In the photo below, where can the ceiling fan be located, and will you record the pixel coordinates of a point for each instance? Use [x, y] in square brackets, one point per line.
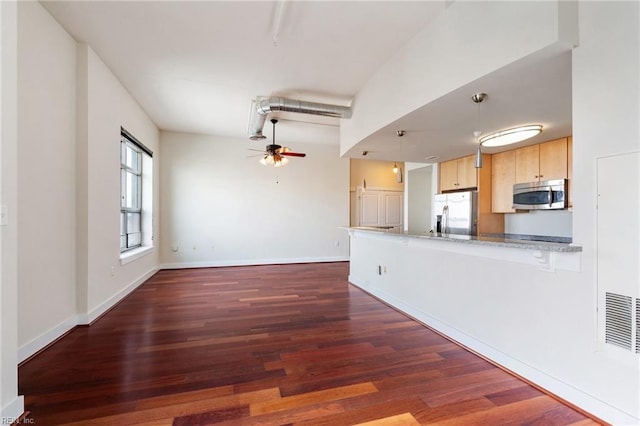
[276, 155]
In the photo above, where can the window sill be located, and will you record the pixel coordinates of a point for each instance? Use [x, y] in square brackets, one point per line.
[131, 255]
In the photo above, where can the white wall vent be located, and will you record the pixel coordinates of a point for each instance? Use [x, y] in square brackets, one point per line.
[618, 320]
[638, 326]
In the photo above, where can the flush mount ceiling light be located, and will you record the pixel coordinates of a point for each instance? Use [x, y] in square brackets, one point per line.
[509, 136]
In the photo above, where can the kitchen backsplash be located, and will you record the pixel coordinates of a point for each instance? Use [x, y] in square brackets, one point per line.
[556, 223]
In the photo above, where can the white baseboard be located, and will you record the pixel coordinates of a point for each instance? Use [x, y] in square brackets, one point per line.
[251, 262]
[89, 317]
[553, 385]
[34, 345]
[12, 411]
[46, 338]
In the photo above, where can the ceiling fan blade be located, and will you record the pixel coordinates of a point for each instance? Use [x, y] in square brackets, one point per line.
[257, 155]
[258, 150]
[293, 154]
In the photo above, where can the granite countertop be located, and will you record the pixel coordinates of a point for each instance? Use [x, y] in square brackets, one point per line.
[529, 242]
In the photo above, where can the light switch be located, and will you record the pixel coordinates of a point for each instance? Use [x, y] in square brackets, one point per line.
[4, 213]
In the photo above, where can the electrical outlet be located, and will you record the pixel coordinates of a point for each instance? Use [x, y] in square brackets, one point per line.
[4, 213]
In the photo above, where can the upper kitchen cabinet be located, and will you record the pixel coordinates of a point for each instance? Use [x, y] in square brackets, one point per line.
[458, 174]
[461, 174]
[544, 161]
[503, 177]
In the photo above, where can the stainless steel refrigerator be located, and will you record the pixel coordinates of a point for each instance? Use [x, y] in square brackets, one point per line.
[456, 213]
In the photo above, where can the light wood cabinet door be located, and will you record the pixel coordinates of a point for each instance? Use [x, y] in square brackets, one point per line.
[467, 172]
[527, 164]
[503, 176]
[448, 175]
[553, 159]
[458, 174]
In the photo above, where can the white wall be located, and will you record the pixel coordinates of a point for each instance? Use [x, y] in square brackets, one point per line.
[46, 172]
[70, 110]
[606, 66]
[542, 324]
[109, 106]
[221, 208]
[11, 405]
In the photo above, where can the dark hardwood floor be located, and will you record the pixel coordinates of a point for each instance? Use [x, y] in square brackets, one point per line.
[270, 345]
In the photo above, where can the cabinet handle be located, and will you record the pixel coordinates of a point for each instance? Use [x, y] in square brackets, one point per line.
[536, 176]
[541, 176]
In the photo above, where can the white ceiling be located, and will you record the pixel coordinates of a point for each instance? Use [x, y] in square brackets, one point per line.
[196, 66]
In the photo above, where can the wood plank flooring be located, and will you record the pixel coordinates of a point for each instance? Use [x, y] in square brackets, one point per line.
[270, 345]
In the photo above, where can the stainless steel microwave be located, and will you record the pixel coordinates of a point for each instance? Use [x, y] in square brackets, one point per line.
[543, 195]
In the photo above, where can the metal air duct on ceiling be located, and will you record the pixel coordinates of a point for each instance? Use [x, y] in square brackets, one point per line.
[262, 107]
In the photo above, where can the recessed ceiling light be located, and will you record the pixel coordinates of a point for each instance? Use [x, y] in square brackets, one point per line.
[509, 136]
[431, 158]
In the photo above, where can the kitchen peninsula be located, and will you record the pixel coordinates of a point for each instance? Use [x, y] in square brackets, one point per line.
[479, 291]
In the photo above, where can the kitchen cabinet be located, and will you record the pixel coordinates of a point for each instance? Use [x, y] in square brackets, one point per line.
[379, 208]
[458, 174]
[488, 221]
[543, 161]
[503, 177]
[370, 211]
[461, 173]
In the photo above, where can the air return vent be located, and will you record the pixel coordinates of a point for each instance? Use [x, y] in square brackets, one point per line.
[618, 320]
[638, 326]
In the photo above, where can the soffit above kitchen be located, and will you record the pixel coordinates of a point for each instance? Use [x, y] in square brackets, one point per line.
[533, 90]
[196, 66]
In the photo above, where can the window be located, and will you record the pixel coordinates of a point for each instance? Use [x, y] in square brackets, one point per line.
[135, 193]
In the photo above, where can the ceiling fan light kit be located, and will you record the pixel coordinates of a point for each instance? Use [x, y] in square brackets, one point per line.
[276, 155]
[274, 160]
